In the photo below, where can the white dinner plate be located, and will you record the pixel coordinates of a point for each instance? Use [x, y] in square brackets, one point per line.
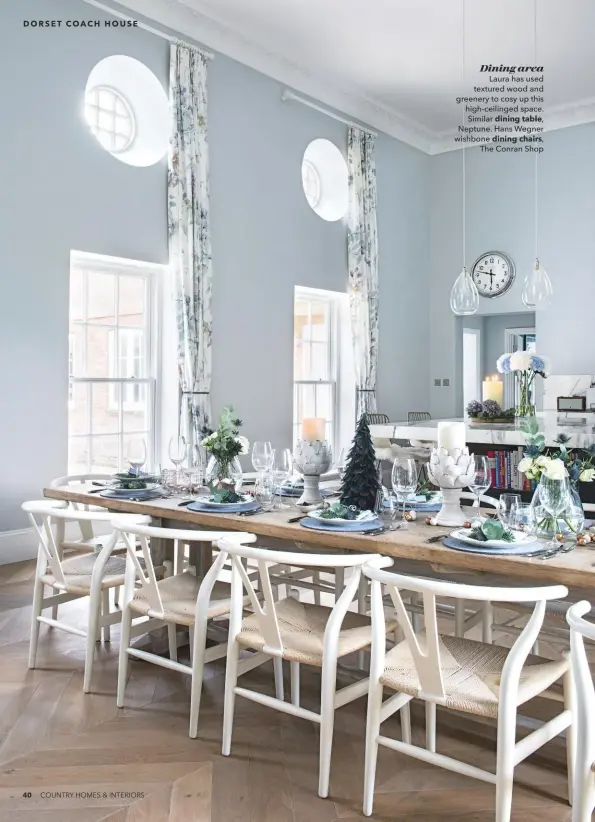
[463, 535]
[339, 520]
[206, 501]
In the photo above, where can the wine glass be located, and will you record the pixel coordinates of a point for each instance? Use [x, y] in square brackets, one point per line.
[482, 478]
[404, 481]
[554, 496]
[282, 470]
[177, 451]
[262, 456]
[136, 454]
[507, 509]
[264, 490]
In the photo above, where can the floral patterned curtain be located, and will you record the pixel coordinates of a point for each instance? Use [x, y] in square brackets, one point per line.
[189, 234]
[362, 253]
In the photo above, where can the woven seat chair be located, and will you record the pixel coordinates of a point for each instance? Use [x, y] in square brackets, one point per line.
[299, 632]
[86, 575]
[584, 715]
[181, 599]
[461, 674]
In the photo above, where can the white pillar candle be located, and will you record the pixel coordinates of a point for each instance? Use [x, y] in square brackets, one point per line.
[492, 389]
[314, 429]
[451, 435]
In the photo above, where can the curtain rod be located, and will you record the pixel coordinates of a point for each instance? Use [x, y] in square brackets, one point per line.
[207, 54]
[288, 94]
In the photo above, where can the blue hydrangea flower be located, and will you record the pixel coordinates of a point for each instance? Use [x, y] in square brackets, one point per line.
[503, 364]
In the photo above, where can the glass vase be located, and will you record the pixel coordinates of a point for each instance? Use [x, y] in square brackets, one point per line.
[525, 404]
[219, 471]
[569, 523]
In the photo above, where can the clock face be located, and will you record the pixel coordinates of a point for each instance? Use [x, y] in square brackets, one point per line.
[493, 274]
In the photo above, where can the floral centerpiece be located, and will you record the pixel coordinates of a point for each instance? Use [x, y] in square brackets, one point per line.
[525, 367]
[225, 445]
[576, 464]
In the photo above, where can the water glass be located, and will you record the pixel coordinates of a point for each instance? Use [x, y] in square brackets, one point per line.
[389, 513]
[262, 456]
[507, 508]
[264, 490]
[524, 518]
[404, 481]
[340, 464]
[168, 481]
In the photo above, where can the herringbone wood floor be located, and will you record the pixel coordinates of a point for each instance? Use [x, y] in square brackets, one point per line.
[138, 764]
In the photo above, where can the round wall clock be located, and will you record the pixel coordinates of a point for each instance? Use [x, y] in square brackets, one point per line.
[493, 274]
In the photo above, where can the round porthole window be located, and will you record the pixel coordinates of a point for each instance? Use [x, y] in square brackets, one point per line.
[110, 118]
[324, 179]
[127, 110]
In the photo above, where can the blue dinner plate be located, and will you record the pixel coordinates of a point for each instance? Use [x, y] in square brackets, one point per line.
[232, 508]
[361, 527]
[135, 496]
[509, 550]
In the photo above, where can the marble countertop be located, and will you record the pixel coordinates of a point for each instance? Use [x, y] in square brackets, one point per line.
[579, 426]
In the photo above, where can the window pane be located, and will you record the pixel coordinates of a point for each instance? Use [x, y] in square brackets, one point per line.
[105, 454]
[100, 297]
[319, 329]
[324, 402]
[136, 408]
[78, 454]
[319, 367]
[105, 417]
[78, 417]
[300, 319]
[100, 352]
[131, 308]
[306, 401]
[301, 361]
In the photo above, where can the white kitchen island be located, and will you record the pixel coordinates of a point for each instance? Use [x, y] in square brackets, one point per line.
[579, 426]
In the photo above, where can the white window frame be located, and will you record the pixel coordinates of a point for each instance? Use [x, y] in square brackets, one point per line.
[153, 275]
[330, 298]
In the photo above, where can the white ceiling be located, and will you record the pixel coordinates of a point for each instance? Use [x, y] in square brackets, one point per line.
[398, 64]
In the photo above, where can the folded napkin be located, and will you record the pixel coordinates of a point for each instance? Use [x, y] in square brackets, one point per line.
[363, 516]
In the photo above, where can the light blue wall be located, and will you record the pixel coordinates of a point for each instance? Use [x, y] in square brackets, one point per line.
[62, 191]
[500, 215]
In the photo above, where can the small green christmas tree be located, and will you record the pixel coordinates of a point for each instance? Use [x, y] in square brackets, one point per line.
[361, 484]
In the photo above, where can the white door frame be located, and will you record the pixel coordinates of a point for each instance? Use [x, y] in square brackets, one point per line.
[477, 334]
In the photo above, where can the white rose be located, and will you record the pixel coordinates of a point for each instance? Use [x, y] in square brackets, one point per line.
[525, 464]
[245, 443]
[587, 475]
[556, 470]
[520, 361]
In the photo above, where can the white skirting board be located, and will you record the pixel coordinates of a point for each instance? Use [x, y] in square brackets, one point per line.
[17, 546]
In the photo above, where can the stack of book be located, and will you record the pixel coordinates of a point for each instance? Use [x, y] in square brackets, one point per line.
[505, 470]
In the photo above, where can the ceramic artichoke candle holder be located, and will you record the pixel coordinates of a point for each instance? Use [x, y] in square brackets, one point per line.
[312, 459]
[451, 471]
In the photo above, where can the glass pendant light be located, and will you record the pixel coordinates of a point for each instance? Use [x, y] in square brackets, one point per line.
[464, 297]
[537, 289]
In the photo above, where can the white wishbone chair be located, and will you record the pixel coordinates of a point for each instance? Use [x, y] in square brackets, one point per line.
[584, 717]
[461, 674]
[299, 632]
[181, 599]
[87, 541]
[86, 575]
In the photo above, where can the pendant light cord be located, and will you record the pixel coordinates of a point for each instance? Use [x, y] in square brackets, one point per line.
[536, 187]
[464, 153]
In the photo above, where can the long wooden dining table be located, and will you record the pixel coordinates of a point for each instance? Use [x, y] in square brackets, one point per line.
[575, 568]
